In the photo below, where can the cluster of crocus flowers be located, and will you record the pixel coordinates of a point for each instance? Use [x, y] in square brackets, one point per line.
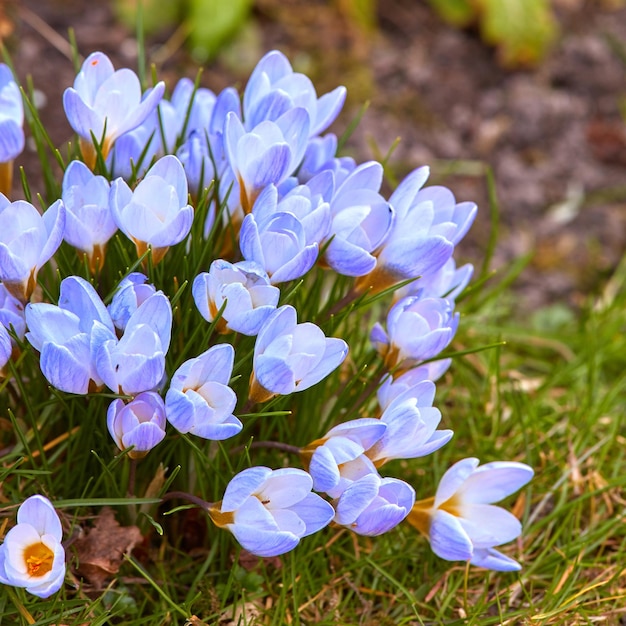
[270, 184]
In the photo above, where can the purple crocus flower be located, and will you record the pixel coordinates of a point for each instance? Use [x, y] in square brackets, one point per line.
[243, 289]
[276, 240]
[461, 522]
[269, 511]
[156, 213]
[11, 122]
[68, 336]
[265, 154]
[32, 555]
[291, 357]
[136, 362]
[373, 505]
[274, 88]
[361, 218]
[106, 104]
[27, 241]
[428, 223]
[89, 223]
[12, 313]
[140, 424]
[199, 400]
[131, 293]
[417, 329]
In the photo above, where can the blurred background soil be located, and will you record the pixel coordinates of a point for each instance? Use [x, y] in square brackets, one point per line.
[554, 135]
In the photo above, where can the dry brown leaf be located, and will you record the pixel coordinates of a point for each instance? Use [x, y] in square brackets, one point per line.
[101, 550]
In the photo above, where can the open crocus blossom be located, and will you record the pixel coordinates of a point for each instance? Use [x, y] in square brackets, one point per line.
[417, 329]
[156, 213]
[11, 121]
[105, 104]
[140, 423]
[243, 290]
[199, 400]
[461, 522]
[291, 357]
[27, 241]
[32, 555]
[269, 511]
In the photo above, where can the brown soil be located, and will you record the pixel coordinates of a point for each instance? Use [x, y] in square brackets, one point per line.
[554, 135]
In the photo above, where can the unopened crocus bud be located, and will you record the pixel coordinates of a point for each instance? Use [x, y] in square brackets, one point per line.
[140, 424]
[155, 214]
[32, 555]
[11, 122]
[27, 241]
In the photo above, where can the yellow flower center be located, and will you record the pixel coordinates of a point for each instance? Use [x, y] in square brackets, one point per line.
[38, 558]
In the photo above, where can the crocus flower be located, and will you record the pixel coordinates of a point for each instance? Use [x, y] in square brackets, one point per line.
[361, 218]
[32, 555]
[12, 313]
[276, 240]
[27, 241]
[417, 329]
[89, 223]
[243, 289]
[6, 348]
[69, 335]
[274, 88]
[427, 224]
[136, 362]
[267, 153]
[131, 293]
[373, 505]
[156, 213]
[339, 458]
[106, 104]
[291, 357]
[269, 511]
[409, 384]
[461, 522]
[199, 400]
[11, 121]
[411, 428]
[140, 423]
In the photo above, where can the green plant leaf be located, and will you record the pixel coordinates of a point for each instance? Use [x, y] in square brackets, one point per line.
[213, 22]
[457, 12]
[521, 29]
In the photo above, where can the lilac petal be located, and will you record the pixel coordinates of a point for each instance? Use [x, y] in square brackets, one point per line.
[242, 486]
[144, 437]
[82, 118]
[349, 259]
[356, 498]
[11, 140]
[323, 468]
[274, 374]
[494, 481]
[264, 543]
[40, 514]
[405, 193]
[454, 478]
[54, 222]
[328, 107]
[272, 166]
[335, 352]
[298, 266]
[490, 558]
[67, 367]
[489, 525]
[315, 512]
[448, 539]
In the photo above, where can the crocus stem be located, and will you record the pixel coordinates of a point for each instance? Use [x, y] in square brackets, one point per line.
[6, 178]
[183, 495]
[132, 471]
[275, 445]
